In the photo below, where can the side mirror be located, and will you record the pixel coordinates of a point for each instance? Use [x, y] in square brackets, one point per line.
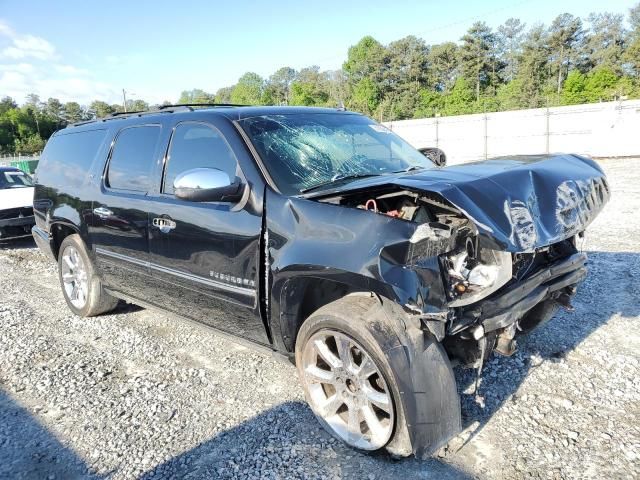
[436, 155]
[207, 185]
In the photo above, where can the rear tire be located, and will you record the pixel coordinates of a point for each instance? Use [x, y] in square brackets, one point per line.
[81, 286]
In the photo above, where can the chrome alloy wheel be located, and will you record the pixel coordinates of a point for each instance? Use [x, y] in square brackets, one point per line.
[74, 277]
[347, 390]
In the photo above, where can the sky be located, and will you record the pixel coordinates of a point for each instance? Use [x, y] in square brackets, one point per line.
[83, 50]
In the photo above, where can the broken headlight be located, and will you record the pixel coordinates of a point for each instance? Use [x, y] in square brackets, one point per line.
[472, 277]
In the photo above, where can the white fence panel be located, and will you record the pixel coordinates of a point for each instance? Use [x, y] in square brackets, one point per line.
[465, 137]
[610, 129]
[517, 131]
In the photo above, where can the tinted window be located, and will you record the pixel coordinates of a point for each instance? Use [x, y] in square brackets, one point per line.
[196, 145]
[132, 157]
[67, 157]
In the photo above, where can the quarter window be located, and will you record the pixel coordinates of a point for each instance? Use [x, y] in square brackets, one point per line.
[67, 157]
[132, 157]
[195, 145]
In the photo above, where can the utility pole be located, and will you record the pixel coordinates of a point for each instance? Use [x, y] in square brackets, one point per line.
[35, 115]
[124, 100]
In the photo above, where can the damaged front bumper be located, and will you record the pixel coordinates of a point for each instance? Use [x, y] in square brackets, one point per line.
[509, 306]
[492, 323]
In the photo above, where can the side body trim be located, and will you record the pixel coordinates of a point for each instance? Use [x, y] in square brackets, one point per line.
[187, 276]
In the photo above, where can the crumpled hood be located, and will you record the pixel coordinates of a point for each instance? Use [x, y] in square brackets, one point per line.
[517, 203]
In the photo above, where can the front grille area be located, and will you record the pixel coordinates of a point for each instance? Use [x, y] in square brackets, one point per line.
[526, 264]
[16, 213]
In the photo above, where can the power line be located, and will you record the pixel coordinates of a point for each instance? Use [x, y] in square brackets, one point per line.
[446, 26]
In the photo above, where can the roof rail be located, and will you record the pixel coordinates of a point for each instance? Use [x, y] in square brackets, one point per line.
[115, 114]
[111, 116]
[119, 115]
[191, 105]
[159, 109]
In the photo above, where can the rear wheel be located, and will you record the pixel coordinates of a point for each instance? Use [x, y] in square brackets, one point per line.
[81, 286]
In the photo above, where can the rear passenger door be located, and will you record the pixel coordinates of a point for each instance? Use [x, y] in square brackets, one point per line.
[119, 227]
[205, 265]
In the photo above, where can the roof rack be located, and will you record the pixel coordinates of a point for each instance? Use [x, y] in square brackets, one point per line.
[191, 105]
[160, 109]
[115, 114]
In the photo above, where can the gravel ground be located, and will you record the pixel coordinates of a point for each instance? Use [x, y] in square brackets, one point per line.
[138, 394]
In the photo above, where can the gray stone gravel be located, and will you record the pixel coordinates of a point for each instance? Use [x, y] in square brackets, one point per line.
[139, 394]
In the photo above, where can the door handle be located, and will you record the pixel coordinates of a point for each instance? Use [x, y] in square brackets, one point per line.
[102, 212]
[165, 225]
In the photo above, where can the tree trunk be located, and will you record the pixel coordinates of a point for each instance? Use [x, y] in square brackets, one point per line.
[35, 116]
[560, 70]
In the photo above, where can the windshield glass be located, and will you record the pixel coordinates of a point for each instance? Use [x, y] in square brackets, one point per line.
[303, 151]
[14, 179]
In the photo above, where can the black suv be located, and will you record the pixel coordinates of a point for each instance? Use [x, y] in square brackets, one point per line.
[321, 235]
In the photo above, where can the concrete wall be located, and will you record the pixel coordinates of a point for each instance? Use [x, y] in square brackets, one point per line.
[610, 129]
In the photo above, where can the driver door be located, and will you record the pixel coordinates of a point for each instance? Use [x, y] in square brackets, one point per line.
[204, 255]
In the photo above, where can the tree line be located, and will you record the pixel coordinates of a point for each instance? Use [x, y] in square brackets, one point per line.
[571, 61]
[25, 129]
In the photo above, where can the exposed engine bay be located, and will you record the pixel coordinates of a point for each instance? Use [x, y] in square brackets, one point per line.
[470, 272]
[404, 204]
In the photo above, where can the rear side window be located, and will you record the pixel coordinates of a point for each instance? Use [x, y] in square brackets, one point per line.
[196, 145]
[67, 157]
[132, 157]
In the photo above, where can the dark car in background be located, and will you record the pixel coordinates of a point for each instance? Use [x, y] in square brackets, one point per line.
[16, 204]
[320, 235]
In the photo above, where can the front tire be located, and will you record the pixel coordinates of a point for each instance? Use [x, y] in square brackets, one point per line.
[356, 319]
[81, 286]
[345, 386]
[412, 388]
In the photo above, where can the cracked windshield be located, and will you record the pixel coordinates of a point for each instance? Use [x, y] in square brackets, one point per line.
[305, 152]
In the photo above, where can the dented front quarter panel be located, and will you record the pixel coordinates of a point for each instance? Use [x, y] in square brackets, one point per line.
[362, 249]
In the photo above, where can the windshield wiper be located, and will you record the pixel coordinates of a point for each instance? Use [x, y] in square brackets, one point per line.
[410, 169]
[339, 178]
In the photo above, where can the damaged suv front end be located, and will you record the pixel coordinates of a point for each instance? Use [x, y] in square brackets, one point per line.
[469, 255]
[506, 243]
